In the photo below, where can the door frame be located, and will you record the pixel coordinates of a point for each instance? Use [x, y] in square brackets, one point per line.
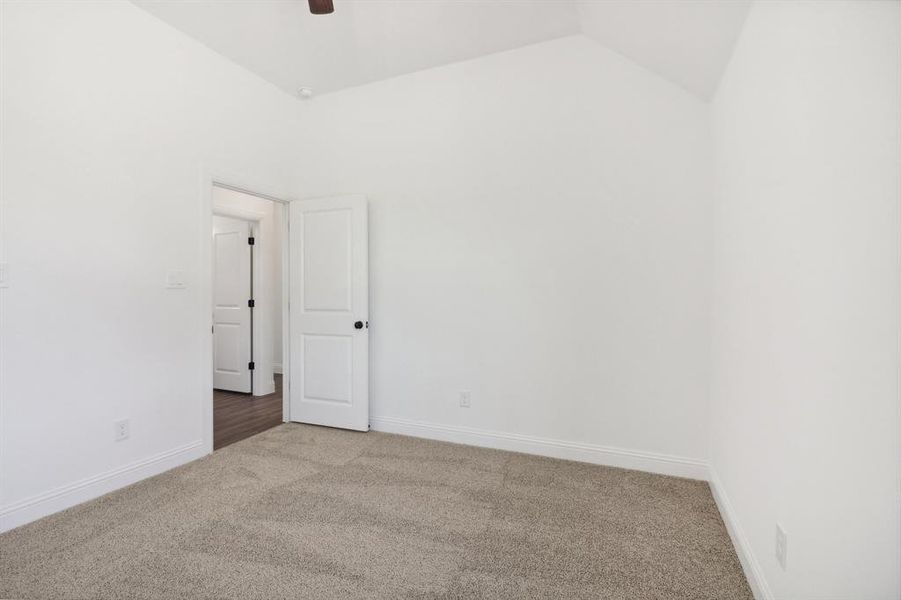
[211, 178]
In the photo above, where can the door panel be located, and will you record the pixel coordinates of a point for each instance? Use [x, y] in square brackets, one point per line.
[231, 314]
[227, 340]
[327, 264]
[328, 366]
[330, 280]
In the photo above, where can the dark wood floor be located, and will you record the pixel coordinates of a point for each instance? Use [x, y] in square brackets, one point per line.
[238, 416]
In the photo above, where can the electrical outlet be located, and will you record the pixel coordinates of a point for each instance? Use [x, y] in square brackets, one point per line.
[121, 430]
[781, 546]
[465, 398]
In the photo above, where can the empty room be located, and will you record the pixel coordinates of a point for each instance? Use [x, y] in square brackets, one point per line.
[450, 299]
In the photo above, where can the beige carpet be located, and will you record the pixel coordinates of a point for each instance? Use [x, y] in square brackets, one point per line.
[308, 512]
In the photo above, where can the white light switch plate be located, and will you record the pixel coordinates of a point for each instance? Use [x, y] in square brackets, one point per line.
[175, 280]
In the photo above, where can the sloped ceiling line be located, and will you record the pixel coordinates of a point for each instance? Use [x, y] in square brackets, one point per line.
[687, 42]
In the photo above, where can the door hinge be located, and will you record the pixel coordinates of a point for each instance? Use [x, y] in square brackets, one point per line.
[250, 365]
[251, 303]
[251, 240]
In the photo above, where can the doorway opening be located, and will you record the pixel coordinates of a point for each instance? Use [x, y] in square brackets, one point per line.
[248, 252]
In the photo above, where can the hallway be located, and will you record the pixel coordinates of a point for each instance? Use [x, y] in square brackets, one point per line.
[239, 416]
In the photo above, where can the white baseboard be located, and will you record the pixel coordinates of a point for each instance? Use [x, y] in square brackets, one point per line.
[277, 368]
[752, 569]
[600, 455]
[67, 496]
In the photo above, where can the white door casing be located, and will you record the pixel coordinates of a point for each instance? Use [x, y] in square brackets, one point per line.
[329, 312]
[231, 313]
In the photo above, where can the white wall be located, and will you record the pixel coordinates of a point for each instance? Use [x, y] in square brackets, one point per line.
[109, 117]
[805, 394]
[539, 235]
[265, 215]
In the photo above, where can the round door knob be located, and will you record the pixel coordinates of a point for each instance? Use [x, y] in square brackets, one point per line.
[358, 325]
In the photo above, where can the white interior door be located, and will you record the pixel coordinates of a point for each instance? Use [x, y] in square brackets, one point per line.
[329, 312]
[232, 333]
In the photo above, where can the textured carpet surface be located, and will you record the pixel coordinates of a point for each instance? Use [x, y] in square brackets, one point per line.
[310, 512]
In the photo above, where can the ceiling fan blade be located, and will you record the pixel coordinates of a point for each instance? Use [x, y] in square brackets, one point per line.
[321, 7]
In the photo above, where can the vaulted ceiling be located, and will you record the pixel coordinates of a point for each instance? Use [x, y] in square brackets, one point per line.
[686, 41]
